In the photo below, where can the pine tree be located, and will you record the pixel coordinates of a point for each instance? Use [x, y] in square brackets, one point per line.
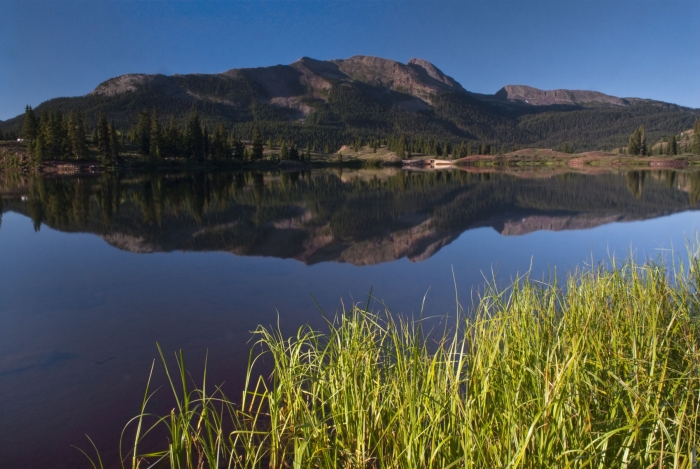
[155, 132]
[205, 143]
[294, 153]
[696, 137]
[219, 147]
[195, 138]
[172, 141]
[143, 132]
[672, 148]
[257, 152]
[462, 152]
[54, 132]
[76, 134]
[30, 126]
[634, 147]
[238, 148]
[115, 143]
[103, 137]
[284, 152]
[39, 151]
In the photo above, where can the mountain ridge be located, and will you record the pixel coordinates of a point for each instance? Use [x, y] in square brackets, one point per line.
[334, 102]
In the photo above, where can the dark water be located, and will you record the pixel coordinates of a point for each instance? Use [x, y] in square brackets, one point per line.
[94, 270]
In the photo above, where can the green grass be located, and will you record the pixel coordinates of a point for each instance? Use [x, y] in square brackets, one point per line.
[602, 371]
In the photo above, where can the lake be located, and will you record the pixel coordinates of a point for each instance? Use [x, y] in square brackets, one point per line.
[96, 269]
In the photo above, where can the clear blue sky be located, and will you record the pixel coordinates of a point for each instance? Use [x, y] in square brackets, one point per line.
[640, 48]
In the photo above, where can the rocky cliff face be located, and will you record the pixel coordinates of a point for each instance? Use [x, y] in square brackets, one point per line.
[285, 85]
[536, 97]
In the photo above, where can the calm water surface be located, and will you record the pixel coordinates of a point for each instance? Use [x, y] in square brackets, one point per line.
[94, 270]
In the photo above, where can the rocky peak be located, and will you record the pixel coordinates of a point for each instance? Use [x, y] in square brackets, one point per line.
[121, 84]
[433, 72]
[418, 78]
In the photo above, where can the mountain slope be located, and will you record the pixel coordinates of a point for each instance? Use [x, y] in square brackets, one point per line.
[331, 103]
[538, 97]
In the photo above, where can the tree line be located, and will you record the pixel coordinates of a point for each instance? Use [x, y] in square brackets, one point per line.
[55, 136]
[670, 146]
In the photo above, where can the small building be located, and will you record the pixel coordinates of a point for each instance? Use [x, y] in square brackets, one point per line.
[434, 162]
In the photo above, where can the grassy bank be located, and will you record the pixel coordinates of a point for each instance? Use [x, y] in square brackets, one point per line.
[602, 371]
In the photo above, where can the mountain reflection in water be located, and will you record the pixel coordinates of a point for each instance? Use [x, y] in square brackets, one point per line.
[80, 319]
[361, 217]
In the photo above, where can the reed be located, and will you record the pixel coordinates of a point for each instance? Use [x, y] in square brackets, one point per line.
[600, 371]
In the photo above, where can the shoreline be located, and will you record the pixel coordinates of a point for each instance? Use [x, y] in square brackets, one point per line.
[14, 158]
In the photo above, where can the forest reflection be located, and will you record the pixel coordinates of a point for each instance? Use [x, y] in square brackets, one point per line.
[361, 216]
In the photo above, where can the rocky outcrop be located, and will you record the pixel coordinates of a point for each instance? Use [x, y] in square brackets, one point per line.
[536, 97]
[132, 82]
[286, 85]
[418, 78]
[534, 223]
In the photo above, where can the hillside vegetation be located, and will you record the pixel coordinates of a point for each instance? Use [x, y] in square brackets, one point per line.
[327, 104]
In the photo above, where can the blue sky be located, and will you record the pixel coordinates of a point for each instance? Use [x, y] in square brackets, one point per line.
[638, 48]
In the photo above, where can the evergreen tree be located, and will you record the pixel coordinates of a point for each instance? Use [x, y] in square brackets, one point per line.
[53, 130]
[284, 152]
[143, 132]
[358, 144]
[155, 137]
[76, 134]
[672, 148]
[39, 151]
[237, 147]
[401, 147]
[114, 143]
[103, 137]
[637, 142]
[30, 126]
[195, 138]
[205, 141]
[257, 151]
[696, 137]
[219, 147]
[293, 153]
[172, 141]
[461, 152]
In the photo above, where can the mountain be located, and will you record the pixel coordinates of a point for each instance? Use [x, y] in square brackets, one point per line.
[333, 102]
[357, 217]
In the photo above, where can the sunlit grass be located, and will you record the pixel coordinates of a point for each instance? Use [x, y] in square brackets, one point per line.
[602, 371]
